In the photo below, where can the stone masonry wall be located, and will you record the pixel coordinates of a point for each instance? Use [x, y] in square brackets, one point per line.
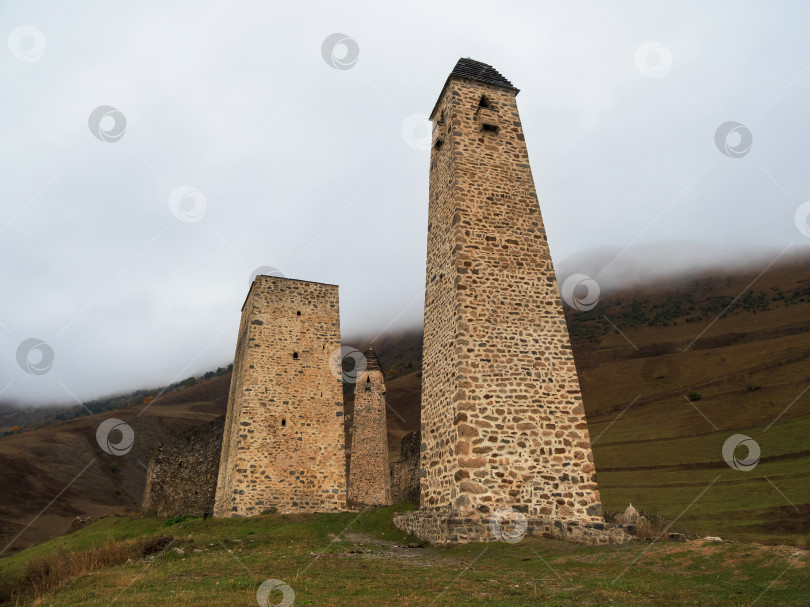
[405, 472]
[283, 445]
[182, 477]
[450, 530]
[369, 482]
[503, 423]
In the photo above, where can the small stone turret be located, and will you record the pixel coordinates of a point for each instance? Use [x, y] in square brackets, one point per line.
[369, 480]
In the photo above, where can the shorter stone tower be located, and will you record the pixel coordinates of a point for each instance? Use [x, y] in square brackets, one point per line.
[283, 445]
[369, 480]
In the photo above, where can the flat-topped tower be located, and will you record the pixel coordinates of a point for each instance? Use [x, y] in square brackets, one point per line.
[503, 425]
[283, 445]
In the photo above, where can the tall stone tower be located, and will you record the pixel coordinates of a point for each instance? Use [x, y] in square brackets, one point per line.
[503, 426]
[283, 445]
[369, 476]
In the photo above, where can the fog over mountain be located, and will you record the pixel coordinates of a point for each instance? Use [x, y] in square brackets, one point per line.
[157, 154]
[614, 268]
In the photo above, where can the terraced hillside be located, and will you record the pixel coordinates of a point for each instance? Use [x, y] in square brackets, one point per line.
[667, 379]
[669, 372]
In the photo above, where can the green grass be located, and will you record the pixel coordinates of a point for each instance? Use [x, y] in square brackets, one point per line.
[224, 561]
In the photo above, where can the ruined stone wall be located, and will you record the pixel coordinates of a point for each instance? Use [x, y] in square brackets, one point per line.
[405, 472]
[182, 477]
[502, 418]
[283, 446]
[369, 481]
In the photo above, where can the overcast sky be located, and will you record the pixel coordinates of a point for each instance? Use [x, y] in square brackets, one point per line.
[234, 135]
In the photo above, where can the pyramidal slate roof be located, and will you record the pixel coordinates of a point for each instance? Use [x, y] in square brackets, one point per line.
[372, 364]
[475, 70]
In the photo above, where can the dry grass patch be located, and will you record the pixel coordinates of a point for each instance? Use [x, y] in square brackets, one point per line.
[45, 574]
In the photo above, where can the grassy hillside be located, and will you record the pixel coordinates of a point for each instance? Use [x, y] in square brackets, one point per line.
[664, 395]
[41, 463]
[660, 403]
[667, 377]
[343, 559]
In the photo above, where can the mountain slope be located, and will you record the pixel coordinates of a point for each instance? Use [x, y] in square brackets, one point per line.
[64, 464]
[662, 396]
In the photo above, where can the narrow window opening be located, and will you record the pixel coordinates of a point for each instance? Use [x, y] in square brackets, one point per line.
[484, 102]
[295, 355]
[492, 128]
[438, 132]
[298, 313]
[283, 422]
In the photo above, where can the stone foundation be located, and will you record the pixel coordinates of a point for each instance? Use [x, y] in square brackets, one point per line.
[448, 529]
